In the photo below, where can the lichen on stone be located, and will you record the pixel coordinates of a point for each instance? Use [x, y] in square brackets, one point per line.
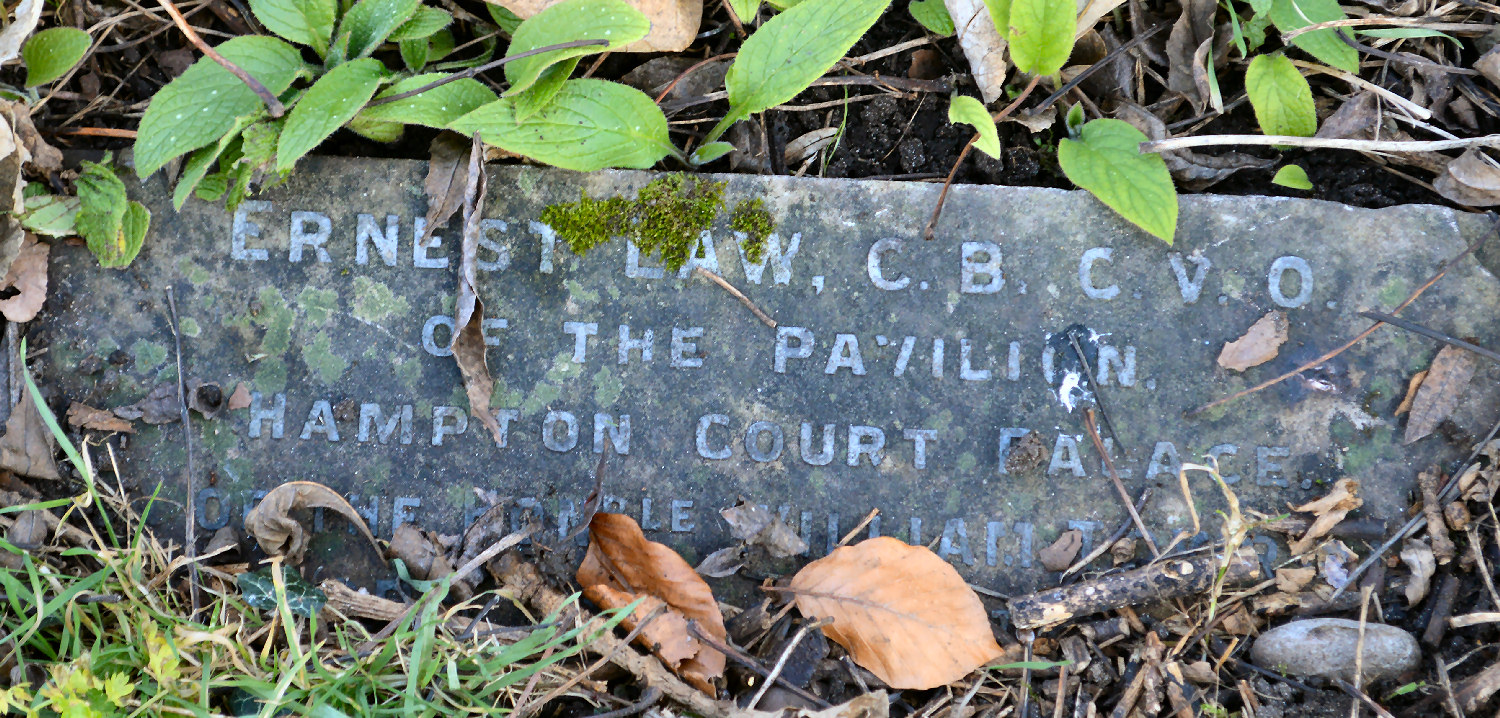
[751, 219]
[664, 220]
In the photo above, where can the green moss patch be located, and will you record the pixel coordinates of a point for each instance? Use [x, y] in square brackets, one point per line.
[751, 219]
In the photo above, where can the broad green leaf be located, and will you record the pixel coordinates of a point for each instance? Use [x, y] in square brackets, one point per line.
[259, 591]
[1041, 34]
[333, 100]
[1323, 44]
[534, 98]
[1107, 161]
[1281, 97]
[306, 22]
[969, 111]
[253, 159]
[570, 20]
[370, 22]
[133, 229]
[1292, 176]
[1260, 7]
[1074, 120]
[590, 125]
[414, 53]
[747, 10]
[1255, 31]
[710, 152]
[792, 50]
[111, 225]
[933, 15]
[507, 20]
[197, 166]
[999, 14]
[50, 53]
[422, 25]
[202, 104]
[436, 107]
[377, 130]
[51, 215]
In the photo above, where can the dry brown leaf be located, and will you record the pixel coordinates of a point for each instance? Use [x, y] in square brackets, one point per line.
[875, 704]
[271, 524]
[1293, 580]
[1027, 454]
[902, 613]
[424, 557]
[97, 419]
[674, 23]
[1446, 381]
[722, 563]
[447, 177]
[1259, 344]
[1356, 119]
[28, 276]
[1059, 556]
[1328, 511]
[1418, 557]
[161, 406]
[621, 565]
[1473, 179]
[1194, 27]
[240, 399]
[467, 344]
[1193, 170]
[984, 47]
[26, 448]
[757, 525]
[1411, 392]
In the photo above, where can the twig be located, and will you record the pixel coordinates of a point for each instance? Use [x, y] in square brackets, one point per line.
[1432, 334]
[1161, 581]
[1116, 536]
[471, 72]
[748, 661]
[1091, 69]
[1359, 646]
[273, 105]
[737, 294]
[1473, 619]
[786, 653]
[1395, 21]
[1359, 697]
[530, 709]
[649, 698]
[1404, 58]
[94, 132]
[1114, 477]
[1318, 143]
[191, 531]
[1088, 373]
[1028, 639]
[851, 62]
[858, 527]
[937, 211]
[1341, 349]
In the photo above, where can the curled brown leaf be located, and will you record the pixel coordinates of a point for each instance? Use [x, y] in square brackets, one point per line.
[271, 524]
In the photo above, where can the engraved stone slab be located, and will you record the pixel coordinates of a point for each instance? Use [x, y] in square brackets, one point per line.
[901, 375]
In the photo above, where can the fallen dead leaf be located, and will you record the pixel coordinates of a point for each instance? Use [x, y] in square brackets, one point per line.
[1356, 119]
[1439, 393]
[447, 177]
[875, 704]
[468, 344]
[240, 399]
[1259, 344]
[757, 525]
[1028, 453]
[45, 158]
[1430, 483]
[1196, 171]
[984, 47]
[1411, 392]
[1417, 556]
[424, 557]
[28, 12]
[1122, 551]
[1328, 512]
[1473, 179]
[674, 23]
[722, 563]
[271, 524]
[902, 613]
[26, 448]
[1194, 27]
[205, 397]
[88, 417]
[161, 406]
[1059, 556]
[28, 276]
[621, 565]
[1292, 580]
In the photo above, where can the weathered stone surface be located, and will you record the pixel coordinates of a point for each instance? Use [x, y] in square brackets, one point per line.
[916, 347]
[1326, 648]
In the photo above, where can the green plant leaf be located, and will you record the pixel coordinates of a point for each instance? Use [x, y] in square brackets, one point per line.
[590, 125]
[933, 15]
[1281, 97]
[1323, 44]
[51, 215]
[791, 50]
[507, 20]
[50, 53]
[414, 53]
[437, 107]
[377, 130]
[197, 166]
[259, 591]
[1255, 31]
[370, 22]
[112, 226]
[257, 150]
[1407, 33]
[333, 100]
[422, 25]
[1074, 119]
[133, 227]
[305, 22]
[969, 111]
[1292, 176]
[747, 10]
[1107, 161]
[611, 20]
[999, 14]
[202, 104]
[710, 152]
[531, 100]
[1041, 34]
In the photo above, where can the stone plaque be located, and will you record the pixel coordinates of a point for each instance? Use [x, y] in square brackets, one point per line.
[901, 375]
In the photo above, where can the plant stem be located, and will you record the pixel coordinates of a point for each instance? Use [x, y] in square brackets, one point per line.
[937, 211]
[482, 68]
[273, 105]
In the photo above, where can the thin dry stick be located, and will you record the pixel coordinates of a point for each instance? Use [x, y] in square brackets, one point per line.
[716, 279]
[786, 653]
[1433, 334]
[749, 661]
[1087, 71]
[931, 231]
[482, 68]
[858, 527]
[1109, 543]
[1318, 143]
[1346, 345]
[273, 105]
[1423, 23]
[531, 708]
[1359, 646]
[1114, 476]
[957, 711]
[191, 530]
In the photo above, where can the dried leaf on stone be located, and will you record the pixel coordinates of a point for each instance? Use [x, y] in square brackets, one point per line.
[87, 417]
[240, 399]
[26, 448]
[205, 397]
[161, 406]
[1418, 557]
[1059, 556]
[722, 563]
[1328, 511]
[757, 525]
[1411, 392]
[1193, 28]
[1259, 344]
[447, 178]
[424, 557]
[1447, 379]
[28, 277]
[622, 566]
[1472, 179]
[273, 527]
[674, 23]
[467, 344]
[1293, 580]
[875, 704]
[902, 613]
[983, 46]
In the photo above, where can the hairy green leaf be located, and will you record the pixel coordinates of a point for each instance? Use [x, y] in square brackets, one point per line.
[51, 215]
[111, 225]
[202, 104]
[969, 111]
[1292, 176]
[792, 50]
[531, 100]
[507, 20]
[371, 22]
[251, 162]
[1041, 34]
[933, 15]
[1281, 97]
[1407, 33]
[746, 10]
[1323, 44]
[378, 130]
[305, 22]
[999, 14]
[610, 20]
[1107, 161]
[436, 107]
[197, 166]
[414, 53]
[710, 152]
[50, 53]
[590, 125]
[422, 25]
[333, 100]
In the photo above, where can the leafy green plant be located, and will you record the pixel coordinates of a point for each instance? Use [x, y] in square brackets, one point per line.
[1281, 97]
[933, 15]
[970, 111]
[1324, 44]
[1106, 160]
[113, 225]
[1292, 176]
[50, 53]
[1040, 34]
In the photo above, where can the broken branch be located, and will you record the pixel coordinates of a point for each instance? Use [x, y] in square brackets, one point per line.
[273, 105]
